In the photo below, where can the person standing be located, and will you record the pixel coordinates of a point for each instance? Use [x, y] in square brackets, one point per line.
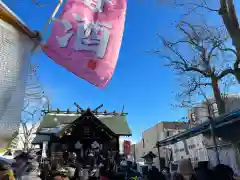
[154, 174]
[223, 172]
[203, 172]
[185, 168]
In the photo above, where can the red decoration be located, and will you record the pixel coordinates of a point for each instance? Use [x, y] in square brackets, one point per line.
[92, 64]
[127, 147]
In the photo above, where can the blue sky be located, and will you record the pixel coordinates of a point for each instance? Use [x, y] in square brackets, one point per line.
[140, 82]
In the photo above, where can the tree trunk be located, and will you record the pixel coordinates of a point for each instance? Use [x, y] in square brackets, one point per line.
[237, 74]
[236, 66]
[230, 20]
[217, 95]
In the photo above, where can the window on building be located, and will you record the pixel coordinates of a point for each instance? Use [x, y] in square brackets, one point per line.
[176, 150]
[181, 150]
[167, 133]
[192, 146]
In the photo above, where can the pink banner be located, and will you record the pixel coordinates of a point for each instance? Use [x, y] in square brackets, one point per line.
[86, 39]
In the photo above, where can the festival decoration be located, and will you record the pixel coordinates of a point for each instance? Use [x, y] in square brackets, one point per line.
[17, 43]
[127, 147]
[86, 38]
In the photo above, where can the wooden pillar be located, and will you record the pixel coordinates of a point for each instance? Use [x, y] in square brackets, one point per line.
[117, 144]
[159, 156]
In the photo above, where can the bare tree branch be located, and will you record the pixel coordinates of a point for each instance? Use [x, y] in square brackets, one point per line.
[225, 73]
[31, 111]
[203, 66]
[227, 12]
[39, 4]
[203, 6]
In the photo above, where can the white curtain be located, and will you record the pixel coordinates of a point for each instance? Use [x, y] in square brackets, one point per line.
[227, 156]
[15, 51]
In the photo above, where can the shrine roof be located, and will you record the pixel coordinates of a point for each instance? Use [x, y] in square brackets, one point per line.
[40, 139]
[52, 123]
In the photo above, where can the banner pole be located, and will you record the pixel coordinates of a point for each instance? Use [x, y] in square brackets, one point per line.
[52, 17]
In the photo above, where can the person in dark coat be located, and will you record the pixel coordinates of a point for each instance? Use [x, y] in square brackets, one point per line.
[203, 172]
[155, 174]
[177, 176]
[223, 172]
[166, 173]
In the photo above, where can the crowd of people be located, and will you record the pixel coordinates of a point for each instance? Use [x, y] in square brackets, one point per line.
[185, 171]
[27, 167]
[128, 170]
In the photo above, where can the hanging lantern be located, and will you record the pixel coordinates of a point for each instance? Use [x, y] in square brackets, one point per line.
[17, 43]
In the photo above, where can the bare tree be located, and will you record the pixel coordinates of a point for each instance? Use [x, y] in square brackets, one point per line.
[32, 110]
[26, 134]
[227, 12]
[198, 58]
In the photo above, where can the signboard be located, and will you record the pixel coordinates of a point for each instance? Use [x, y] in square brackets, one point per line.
[86, 39]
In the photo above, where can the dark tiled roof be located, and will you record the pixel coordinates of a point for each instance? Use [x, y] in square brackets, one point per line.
[53, 121]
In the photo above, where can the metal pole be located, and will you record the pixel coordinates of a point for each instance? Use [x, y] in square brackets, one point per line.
[212, 128]
[214, 139]
[159, 157]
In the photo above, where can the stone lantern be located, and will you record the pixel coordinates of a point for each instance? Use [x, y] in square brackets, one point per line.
[148, 158]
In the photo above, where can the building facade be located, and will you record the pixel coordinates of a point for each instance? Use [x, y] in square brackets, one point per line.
[150, 136]
[227, 151]
[200, 112]
[191, 148]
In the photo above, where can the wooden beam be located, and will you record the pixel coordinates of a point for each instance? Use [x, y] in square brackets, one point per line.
[79, 107]
[97, 108]
[80, 110]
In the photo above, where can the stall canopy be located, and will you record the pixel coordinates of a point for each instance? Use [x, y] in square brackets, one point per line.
[202, 128]
[53, 123]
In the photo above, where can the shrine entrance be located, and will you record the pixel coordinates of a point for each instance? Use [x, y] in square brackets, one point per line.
[86, 135]
[91, 137]
[86, 130]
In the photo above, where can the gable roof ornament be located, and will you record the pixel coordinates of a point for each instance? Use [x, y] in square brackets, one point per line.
[116, 122]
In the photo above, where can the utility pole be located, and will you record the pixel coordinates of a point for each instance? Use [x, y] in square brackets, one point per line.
[212, 128]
